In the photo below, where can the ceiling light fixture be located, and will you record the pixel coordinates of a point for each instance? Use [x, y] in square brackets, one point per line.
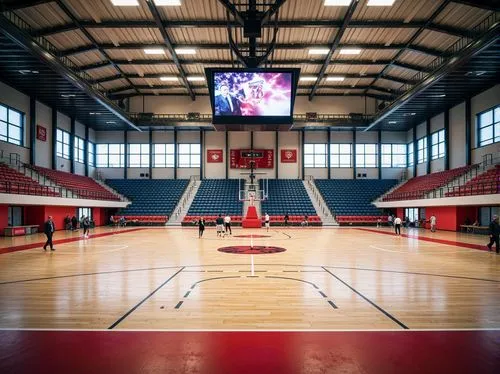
[350, 51]
[318, 51]
[169, 79]
[337, 2]
[380, 2]
[308, 79]
[185, 51]
[154, 51]
[335, 79]
[392, 122]
[125, 2]
[196, 78]
[111, 122]
[68, 95]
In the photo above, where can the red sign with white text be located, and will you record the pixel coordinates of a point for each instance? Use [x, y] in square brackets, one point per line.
[240, 158]
[288, 156]
[41, 133]
[214, 156]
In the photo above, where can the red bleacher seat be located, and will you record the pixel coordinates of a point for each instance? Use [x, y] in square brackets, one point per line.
[12, 181]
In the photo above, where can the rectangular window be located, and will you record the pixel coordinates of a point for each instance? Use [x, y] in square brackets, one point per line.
[87, 212]
[62, 143]
[341, 155]
[412, 214]
[366, 155]
[79, 149]
[411, 154]
[393, 155]
[488, 124]
[138, 155]
[422, 150]
[91, 153]
[164, 156]
[437, 144]
[315, 156]
[110, 155]
[189, 155]
[11, 125]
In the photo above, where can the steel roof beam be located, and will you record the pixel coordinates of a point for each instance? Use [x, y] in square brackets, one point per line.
[493, 5]
[335, 43]
[294, 46]
[459, 32]
[168, 44]
[11, 5]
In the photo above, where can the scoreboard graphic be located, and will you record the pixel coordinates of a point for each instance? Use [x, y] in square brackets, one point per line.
[240, 158]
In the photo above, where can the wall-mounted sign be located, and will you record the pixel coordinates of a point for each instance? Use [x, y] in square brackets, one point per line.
[214, 156]
[41, 133]
[288, 156]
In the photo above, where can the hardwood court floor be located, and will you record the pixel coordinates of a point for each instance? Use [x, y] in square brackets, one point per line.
[167, 278]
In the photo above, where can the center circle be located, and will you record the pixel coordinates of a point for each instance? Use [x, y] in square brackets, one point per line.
[248, 250]
[253, 236]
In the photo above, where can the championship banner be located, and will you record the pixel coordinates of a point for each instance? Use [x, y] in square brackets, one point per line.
[240, 158]
[214, 156]
[41, 133]
[288, 156]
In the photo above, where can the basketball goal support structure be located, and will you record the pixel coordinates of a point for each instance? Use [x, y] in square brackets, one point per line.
[252, 192]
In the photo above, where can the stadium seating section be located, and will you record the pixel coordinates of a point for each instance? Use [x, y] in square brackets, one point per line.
[351, 200]
[287, 196]
[84, 187]
[153, 200]
[11, 181]
[484, 184]
[417, 187]
[214, 197]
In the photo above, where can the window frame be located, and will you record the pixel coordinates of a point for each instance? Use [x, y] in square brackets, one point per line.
[169, 156]
[494, 125]
[91, 153]
[411, 155]
[194, 157]
[364, 164]
[339, 164]
[79, 151]
[121, 155]
[143, 155]
[63, 144]
[423, 150]
[436, 146]
[9, 125]
[316, 155]
[394, 154]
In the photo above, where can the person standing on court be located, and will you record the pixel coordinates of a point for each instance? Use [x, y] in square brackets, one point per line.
[49, 229]
[389, 220]
[201, 227]
[397, 225]
[266, 221]
[227, 224]
[86, 226]
[219, 222]
[433, 223]
[286, 218]
[494, 232]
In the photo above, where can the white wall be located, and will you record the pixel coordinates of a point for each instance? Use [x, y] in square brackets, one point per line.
[289, 140]
[480, 103]
[215, 140]
[44, 149]
[457, 136]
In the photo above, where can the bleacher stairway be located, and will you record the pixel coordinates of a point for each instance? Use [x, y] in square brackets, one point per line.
[185, 202]
[319, 204]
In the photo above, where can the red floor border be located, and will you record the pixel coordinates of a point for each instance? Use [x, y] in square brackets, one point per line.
[432, 240]
[242, 352]
[61, 241]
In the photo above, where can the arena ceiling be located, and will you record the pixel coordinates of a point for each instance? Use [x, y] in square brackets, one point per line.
[384, 52]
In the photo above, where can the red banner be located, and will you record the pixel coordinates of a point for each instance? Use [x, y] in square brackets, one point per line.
[214, 156]
[288, 156]
[240, 158]
[41, 133]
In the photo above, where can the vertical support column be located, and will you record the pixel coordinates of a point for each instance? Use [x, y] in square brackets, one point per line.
[302, 157]
[54, 139]
[32, 130]
[447, 139]
[379, 155]
[251, 140]
[429, 148]
[151, 154]
[468, 138]
[277, 154]
[125, 154]
[227, 154]
[202, 152]
[328, 153]
[72, 146]
[415, 151]
[354, 154]
[176, 152]
[86, 152]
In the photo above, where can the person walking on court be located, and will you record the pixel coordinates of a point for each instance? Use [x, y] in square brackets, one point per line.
[397, 226]
[201, 227]
[266, 221]
[49, 229]
[227, 224]
[219, 224]
[433, 220]
[494, 232]
[86, 226]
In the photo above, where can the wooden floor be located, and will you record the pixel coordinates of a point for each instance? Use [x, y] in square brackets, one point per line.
[167, 278]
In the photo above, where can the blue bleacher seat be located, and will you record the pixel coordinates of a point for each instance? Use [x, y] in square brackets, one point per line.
[217, 196]
[287, 196]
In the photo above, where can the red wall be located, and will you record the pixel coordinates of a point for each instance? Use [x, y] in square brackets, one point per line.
[451, 217]
[35, 215]
[4, 217]
[58, 213]
[99, 216]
